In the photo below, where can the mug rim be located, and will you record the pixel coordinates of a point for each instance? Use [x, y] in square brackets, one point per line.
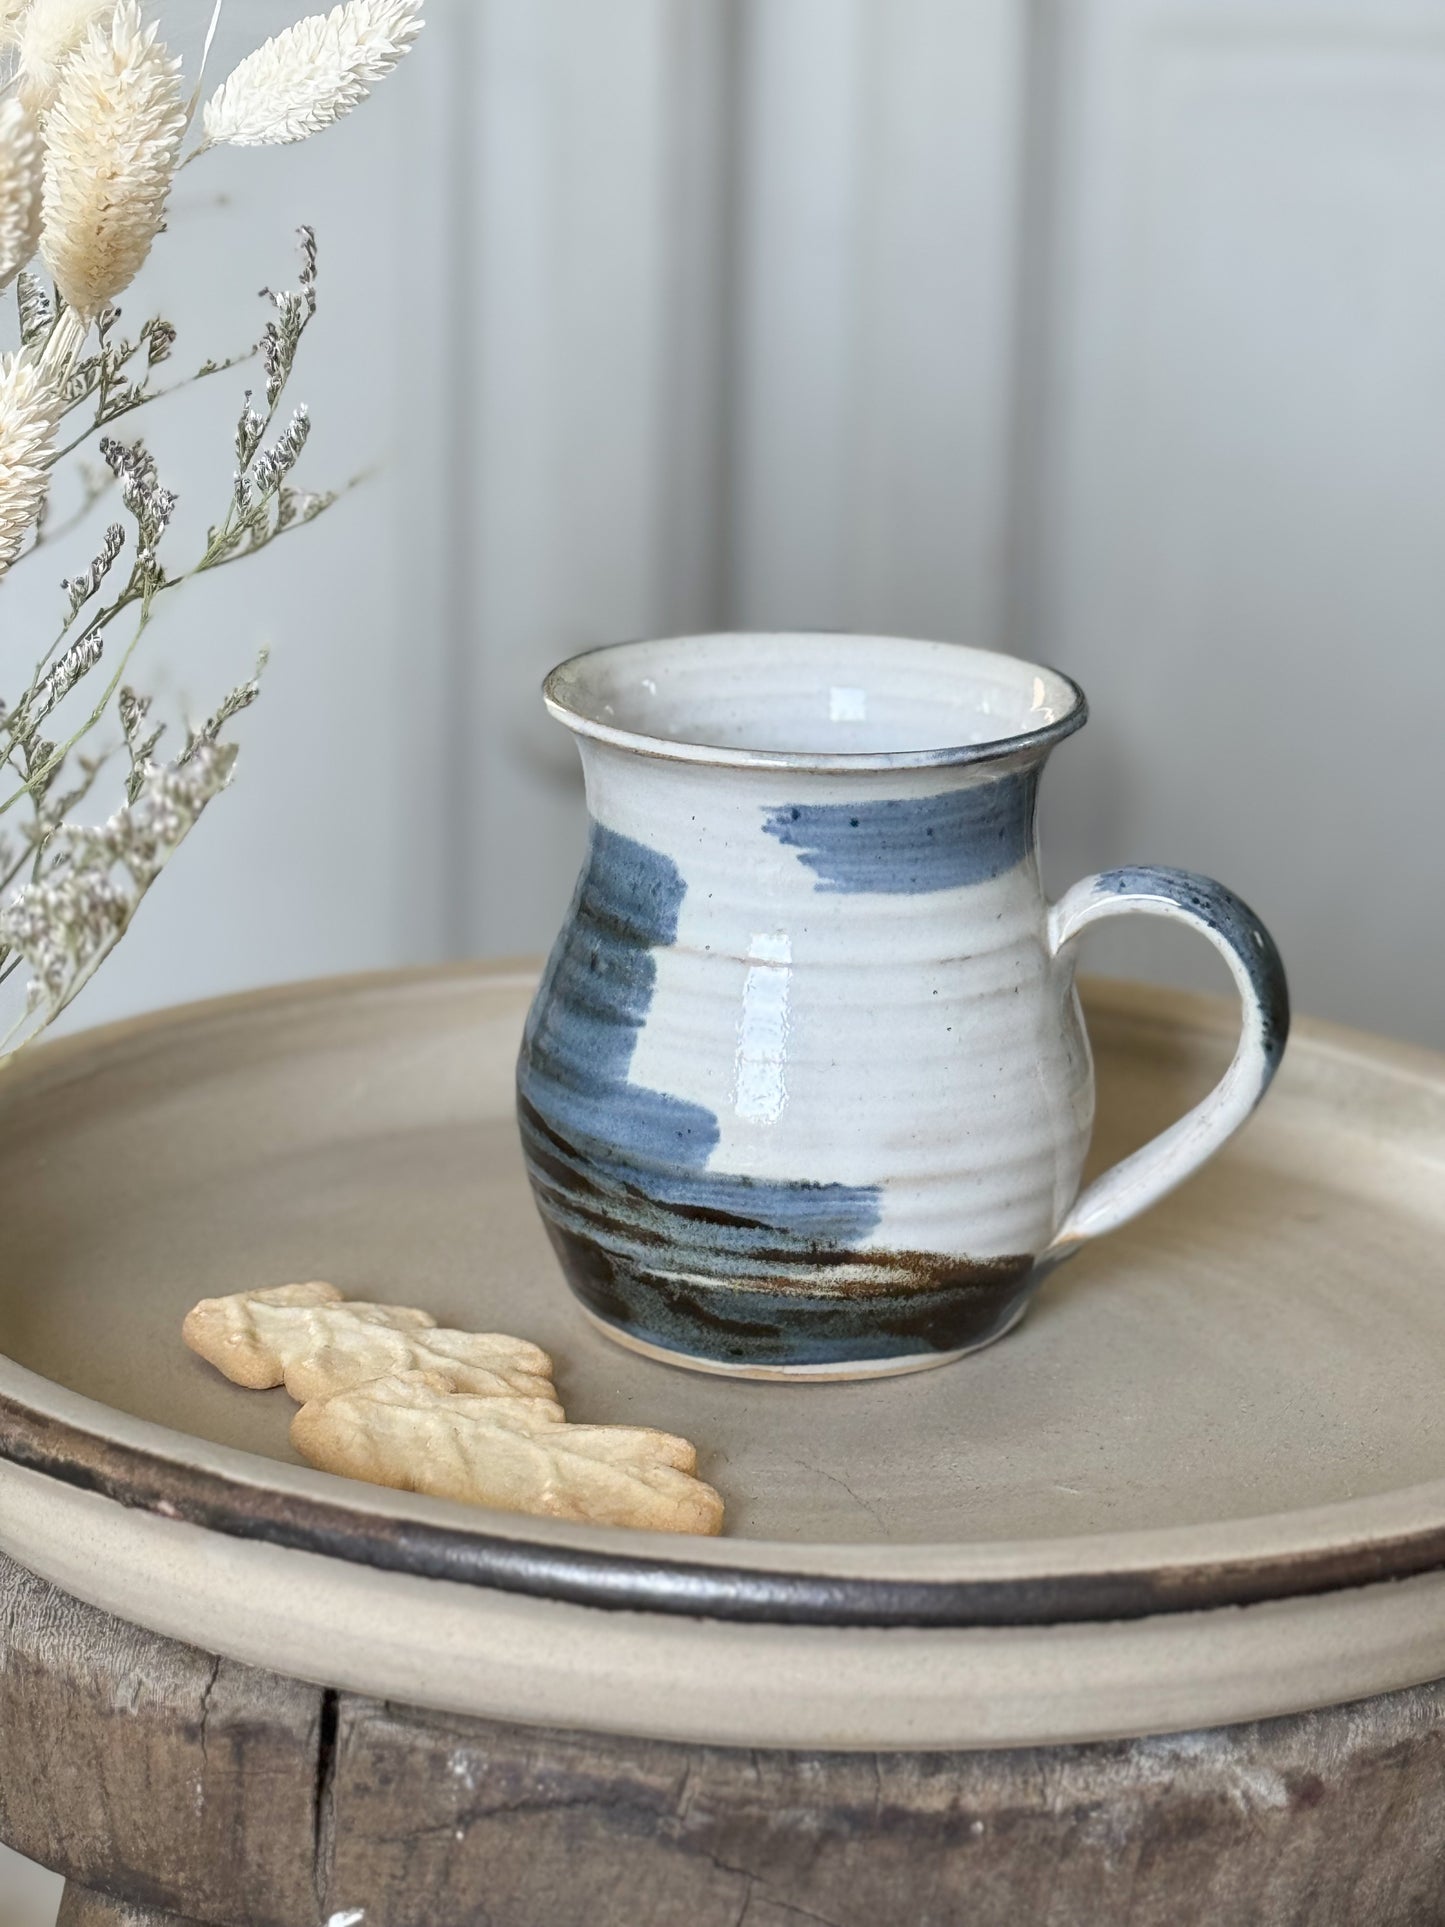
[842, 762]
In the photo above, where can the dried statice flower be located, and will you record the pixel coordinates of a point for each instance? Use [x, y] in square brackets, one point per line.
[20, 163]
[47, 33]
[79, 659]
[65, 924]
[278, 344]
[250, 427]
[240, 698]
[306, 279]
[80, 588]
[112, 141]
[57, 805]
[133, 712]
[275, 463]
[302, 504]
[142, 835]
[29, 411]
[37, 311]
[134, 468]
[311, 74]
[294, 308]
[62, 927]
[159, 338]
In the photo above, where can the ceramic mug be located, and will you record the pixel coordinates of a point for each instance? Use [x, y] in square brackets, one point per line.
[805, 1089]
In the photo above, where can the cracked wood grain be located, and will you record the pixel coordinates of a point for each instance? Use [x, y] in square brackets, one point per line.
[79, 1908]
[147, 1769]
[175, 1787]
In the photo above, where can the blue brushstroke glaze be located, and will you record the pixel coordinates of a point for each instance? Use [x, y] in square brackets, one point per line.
[594, 1003]
[624, 1165]
[1233, 920]
[909, 846]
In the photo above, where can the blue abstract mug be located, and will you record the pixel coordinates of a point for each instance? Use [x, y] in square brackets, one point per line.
[805, 1090]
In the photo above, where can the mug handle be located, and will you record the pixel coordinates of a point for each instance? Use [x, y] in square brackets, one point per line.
[1147, 1174]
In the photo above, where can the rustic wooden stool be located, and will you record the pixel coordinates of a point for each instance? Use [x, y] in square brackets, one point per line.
[169, 1786]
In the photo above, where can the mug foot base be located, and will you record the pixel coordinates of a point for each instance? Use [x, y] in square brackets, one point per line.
[836, 1371]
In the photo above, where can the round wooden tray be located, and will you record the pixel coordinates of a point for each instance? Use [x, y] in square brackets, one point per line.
[1204, 1480]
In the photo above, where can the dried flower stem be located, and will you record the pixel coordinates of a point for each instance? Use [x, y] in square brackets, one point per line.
[91, 120]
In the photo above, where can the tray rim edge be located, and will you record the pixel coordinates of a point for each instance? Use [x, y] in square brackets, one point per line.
[625, 1571]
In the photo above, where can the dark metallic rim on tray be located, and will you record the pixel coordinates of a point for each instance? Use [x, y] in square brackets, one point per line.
[625, 1582]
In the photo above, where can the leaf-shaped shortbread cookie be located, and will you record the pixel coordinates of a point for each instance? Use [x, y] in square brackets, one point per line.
[411, 1431]
[308, 1339]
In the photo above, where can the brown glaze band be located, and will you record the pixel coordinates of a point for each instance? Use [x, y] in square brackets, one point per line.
[625, 1582]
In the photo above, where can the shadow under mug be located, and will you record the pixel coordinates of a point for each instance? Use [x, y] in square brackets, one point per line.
[805, 1090]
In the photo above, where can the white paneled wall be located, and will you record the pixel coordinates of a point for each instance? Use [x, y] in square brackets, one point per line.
[875, 295]
[1240, 537]
[743, 274]
[592, 393]
[1107, 330]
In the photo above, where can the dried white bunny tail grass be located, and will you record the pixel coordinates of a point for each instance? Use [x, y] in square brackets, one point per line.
[10, 12]
[310, 75]
[46, 34]
[29, 410]
[112, 141]
[20, 163]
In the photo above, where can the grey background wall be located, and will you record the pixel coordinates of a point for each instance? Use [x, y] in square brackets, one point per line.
[1111, 332]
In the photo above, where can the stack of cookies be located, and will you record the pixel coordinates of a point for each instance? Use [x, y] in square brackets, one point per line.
[388, 1396]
